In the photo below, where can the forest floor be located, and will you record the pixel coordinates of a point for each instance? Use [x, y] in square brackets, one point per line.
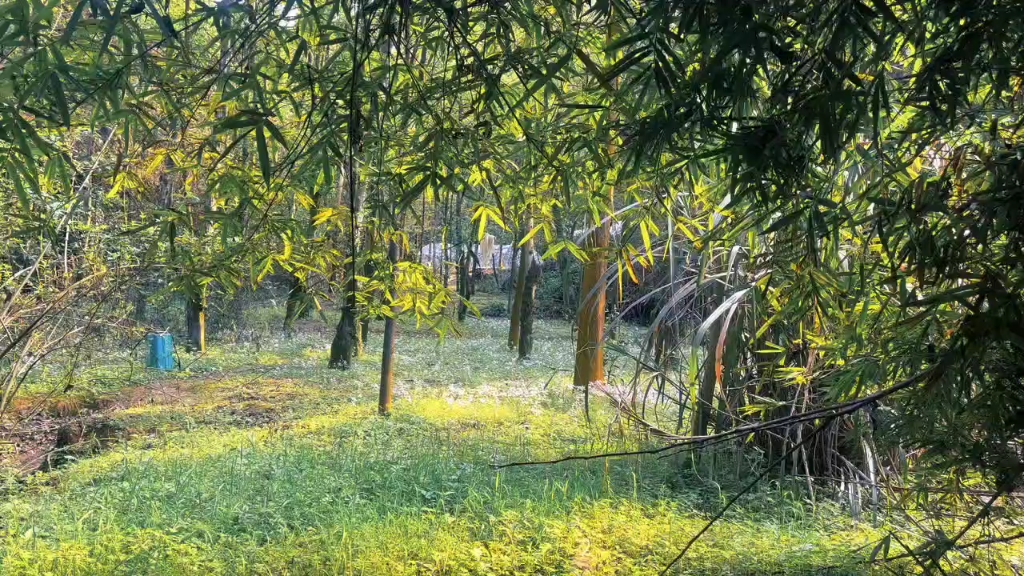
[256, 459]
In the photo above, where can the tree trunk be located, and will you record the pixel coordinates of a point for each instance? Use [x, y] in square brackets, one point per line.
[423, 226]
[513, 268]
[346, 337]
[195, 321]
[462, 268]
[139, 301]
[368, 271]
[344, 344]
[476, 268]
[564, 262]
[387, 361]
[445, 272]
[590, 316]
[533, 270]
[299, 303]
[364, 332]
[296, 305]
[563, 273]
[520, 288]
[352, 332]
[593, 298]
[445, 248]
[703, 407]
[463, 285]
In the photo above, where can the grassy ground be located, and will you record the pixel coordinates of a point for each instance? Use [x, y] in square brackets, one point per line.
[258, 460]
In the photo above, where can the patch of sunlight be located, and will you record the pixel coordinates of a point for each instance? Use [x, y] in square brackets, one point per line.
[605, 537]
[208, 443]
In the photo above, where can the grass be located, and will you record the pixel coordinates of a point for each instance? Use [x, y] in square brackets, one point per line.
[264, 462]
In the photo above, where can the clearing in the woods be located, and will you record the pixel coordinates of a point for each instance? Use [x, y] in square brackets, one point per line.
[256, 459]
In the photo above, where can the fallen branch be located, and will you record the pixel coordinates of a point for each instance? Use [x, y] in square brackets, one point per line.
[829, 412]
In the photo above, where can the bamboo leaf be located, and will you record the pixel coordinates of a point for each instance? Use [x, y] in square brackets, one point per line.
[19, 187]
[698, 337]
[482, 229]
[632, 272]
[529, 235]
[264, 155]
[72, 25]
[60, 100]
[647, 241]
[299, 52]
[275, 133]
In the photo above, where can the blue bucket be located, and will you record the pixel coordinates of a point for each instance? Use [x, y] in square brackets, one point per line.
[161, 352]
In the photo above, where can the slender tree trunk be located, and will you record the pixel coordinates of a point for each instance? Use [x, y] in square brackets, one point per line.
[346, 338]
[563, 259]
[139, 301]
[563, 274]
[462, 269]
[464, 283]
[474, 266]
[445, 253]
[387, 361]
[704, 407]
[195, 305]
[533, 270]
[513, 268]
[345, 344]
[423, 225]
[368, 271]
[296, 304]
[195, 320]
[520, 288]
[195, 315]
[166, 199]
[670, 338]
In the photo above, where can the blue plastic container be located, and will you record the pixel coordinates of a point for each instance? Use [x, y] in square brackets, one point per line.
[161, 352]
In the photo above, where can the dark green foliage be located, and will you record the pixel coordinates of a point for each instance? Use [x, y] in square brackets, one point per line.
[494, 309]
[487, 284]
[551, 291]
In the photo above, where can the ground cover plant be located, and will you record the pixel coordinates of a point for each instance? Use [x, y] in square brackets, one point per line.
[287, 471]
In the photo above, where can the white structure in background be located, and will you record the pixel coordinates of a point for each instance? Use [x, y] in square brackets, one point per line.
[497, 256]
[486, 251]
[580, 236]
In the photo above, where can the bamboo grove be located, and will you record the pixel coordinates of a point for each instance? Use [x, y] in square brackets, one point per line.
[815, 208]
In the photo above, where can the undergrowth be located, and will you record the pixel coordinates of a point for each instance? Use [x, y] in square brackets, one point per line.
[258, 460]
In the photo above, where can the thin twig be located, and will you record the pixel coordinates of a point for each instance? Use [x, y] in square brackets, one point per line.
[826, 412]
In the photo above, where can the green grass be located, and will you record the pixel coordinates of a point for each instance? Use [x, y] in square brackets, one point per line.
[267, 463]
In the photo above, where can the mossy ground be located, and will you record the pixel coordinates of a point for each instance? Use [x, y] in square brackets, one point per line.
[262, 461]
